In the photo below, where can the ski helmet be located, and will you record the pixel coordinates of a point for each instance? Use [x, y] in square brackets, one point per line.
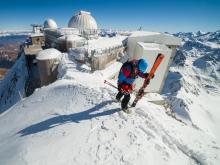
[142, 65]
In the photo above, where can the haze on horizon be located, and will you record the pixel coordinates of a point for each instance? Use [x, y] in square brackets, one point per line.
[153, 15]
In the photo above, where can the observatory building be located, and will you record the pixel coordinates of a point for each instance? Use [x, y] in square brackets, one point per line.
[85, 23]
[50, 23]
[85, 42]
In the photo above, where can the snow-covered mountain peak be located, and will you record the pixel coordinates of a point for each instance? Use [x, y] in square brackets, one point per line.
[76, 120]
[193, 81]
[200, 32]
[69, 122]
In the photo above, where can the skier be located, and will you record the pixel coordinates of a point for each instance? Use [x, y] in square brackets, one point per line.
[129, 71]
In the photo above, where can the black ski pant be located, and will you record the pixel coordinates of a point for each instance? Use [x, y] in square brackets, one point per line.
[125, 100]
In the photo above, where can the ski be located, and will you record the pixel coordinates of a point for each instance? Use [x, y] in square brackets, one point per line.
[140, 93]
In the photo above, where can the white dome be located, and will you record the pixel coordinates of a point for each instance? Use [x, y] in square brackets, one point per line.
[83, 21]
[50, 23]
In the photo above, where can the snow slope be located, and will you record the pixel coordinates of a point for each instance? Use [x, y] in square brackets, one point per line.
[12, 87]
[76, 121]
[197, 65]
[193, 84]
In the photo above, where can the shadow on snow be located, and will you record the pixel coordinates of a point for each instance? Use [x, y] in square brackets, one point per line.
[63, 119]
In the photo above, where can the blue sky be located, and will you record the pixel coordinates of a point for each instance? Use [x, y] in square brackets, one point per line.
[153, 15]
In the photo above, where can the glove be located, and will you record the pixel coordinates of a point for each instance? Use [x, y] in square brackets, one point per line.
[125, 88]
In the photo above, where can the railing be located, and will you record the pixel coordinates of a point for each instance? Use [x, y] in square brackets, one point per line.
[109, 50]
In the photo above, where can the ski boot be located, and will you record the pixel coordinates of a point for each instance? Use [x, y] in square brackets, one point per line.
[126, 110]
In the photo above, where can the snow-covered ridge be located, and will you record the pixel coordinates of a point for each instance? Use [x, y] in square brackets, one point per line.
[203, 51]
[192, 87]
[201, 36]
[75, 120]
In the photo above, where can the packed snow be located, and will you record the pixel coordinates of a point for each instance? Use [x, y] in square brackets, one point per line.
[76, 120]
[37, 35]
[141, 33]
[48, 54]
[103, 43]
[153, 46]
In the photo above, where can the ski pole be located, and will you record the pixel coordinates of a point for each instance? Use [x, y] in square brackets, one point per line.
[110, 84]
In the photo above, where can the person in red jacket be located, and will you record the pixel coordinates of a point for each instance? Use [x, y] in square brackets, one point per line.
[129, 71]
